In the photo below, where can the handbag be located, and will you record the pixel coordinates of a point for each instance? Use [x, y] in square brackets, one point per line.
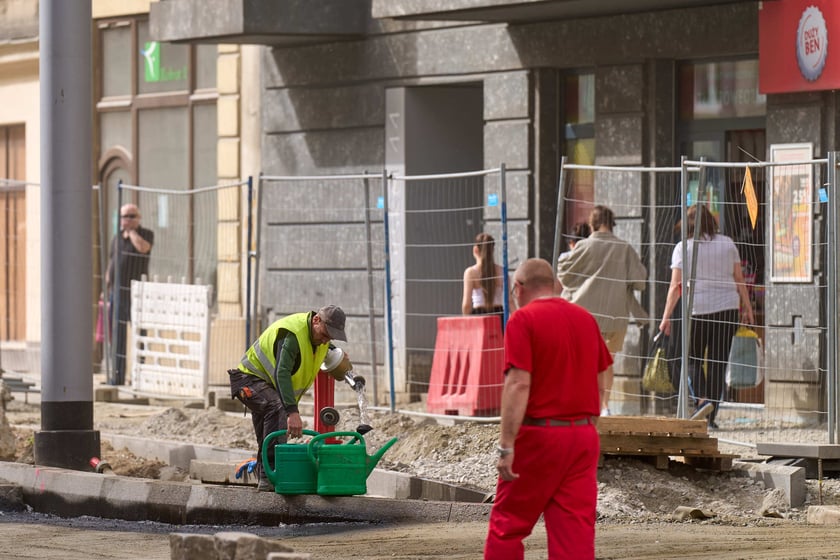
[657, 375]
[746, 354]
[99, 335]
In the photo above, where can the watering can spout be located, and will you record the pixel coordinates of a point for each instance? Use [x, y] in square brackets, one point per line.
[372, 460]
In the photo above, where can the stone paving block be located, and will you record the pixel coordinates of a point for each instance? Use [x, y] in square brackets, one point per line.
[187, 546]
[824, 515]
[235, 545]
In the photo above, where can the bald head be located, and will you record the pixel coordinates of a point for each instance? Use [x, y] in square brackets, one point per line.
[129, 217]
[535, 279]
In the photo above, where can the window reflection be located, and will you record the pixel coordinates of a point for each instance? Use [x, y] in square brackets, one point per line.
[712, 90]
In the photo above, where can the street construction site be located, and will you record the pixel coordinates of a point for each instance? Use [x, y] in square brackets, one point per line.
[170, 469]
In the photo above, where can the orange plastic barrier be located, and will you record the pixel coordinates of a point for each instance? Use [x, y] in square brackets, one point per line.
[466, 378]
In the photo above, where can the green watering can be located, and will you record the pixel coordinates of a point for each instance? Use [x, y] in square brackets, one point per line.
[343, 469]
[293, 471]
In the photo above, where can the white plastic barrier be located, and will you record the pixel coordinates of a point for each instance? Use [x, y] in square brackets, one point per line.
[170, 337]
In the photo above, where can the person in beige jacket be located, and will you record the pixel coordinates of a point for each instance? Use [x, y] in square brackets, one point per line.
[601, 274]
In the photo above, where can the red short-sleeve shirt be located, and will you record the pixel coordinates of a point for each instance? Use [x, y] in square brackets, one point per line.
[560, 345]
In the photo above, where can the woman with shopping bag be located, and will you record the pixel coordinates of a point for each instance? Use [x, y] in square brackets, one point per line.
[719, 303]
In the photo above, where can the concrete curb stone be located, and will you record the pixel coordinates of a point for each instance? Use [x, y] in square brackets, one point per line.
[73, 493]
[789, 479]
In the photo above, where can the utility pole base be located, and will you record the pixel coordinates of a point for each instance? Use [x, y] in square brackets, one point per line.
[66, 449]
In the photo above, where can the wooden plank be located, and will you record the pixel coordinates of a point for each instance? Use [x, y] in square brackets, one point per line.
[661, 451]
[673, 445]
[655, 434]
[676, 456]
[651, 425]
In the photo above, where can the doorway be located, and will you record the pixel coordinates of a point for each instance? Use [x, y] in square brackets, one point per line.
[431, 130]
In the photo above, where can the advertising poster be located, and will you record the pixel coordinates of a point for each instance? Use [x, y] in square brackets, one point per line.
[791, 209]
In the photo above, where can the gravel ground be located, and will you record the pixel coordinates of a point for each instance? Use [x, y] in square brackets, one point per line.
[630, 490]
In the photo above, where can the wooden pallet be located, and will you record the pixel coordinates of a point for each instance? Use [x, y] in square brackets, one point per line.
[660, 438]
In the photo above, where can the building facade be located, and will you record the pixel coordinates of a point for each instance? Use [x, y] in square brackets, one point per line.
[177, 123]
[597, 82]
[313, 88]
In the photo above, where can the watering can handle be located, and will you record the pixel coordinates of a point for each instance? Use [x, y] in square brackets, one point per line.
[267, 440]
[320, 437]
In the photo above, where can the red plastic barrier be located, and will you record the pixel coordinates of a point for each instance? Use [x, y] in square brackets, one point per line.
[466, 378]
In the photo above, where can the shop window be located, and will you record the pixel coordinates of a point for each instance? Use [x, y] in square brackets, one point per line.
[156, 105]
[162, 158]
[115, 129]
[163, 66]
[579, 117]
[579, 102]
[724, 89]
[116, 57]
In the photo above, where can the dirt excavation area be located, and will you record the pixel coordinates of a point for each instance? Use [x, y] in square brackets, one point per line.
[725, 515]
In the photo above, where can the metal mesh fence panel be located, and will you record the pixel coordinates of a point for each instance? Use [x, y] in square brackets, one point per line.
[645, 206]
[180, 237]
[312, 254]
[767, 369]
[435, 222]
[393, 273]
[775, 215]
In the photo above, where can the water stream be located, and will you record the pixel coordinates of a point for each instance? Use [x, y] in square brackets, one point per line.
[361, 398]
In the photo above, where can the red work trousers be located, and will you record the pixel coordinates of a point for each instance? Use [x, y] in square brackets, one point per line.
[558, 477]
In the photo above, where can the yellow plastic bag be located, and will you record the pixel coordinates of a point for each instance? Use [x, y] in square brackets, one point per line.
[657, 376]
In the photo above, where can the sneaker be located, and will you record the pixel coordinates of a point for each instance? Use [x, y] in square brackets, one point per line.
[264, 485]
[605, 412]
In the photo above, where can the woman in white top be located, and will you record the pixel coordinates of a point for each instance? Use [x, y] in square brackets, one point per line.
[719, 302]
[483, 281]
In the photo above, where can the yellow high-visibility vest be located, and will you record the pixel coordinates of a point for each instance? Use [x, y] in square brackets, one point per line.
[259, 359]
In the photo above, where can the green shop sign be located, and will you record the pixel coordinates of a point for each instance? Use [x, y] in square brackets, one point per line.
[154, 69]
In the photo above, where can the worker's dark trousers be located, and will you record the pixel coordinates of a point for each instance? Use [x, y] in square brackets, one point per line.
[267, 411]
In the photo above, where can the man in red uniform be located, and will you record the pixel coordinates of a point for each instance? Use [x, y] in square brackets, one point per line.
[548, 446]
